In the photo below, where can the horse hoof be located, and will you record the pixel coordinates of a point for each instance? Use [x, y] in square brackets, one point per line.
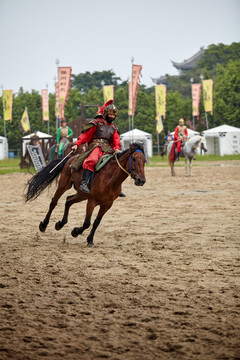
[90, 244]
[42, 228]
[74, 232]
[58, 225]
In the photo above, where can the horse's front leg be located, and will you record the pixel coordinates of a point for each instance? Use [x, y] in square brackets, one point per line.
[101, 212]
[172, 169]
[190, 167]
[87, 222]
[186, 166]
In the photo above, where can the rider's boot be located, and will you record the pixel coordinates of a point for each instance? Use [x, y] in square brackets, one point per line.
[85, 176]
[178, 153]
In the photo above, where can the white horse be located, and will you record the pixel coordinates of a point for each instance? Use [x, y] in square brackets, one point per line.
[188, 151]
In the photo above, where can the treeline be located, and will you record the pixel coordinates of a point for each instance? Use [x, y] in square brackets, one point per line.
[219, 62]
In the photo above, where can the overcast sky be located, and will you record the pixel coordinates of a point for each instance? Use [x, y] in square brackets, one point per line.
[97, 35]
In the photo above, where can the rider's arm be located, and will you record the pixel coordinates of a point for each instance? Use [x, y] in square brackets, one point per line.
[176, 133]
[186, 132]
[58, 135]
[86, 136]
[70, 132]
[116, 143]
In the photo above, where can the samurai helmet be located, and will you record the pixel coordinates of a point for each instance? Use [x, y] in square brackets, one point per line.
[181, 121]
[108, 108]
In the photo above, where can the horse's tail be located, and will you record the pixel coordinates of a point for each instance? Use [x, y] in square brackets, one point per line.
[43, 178]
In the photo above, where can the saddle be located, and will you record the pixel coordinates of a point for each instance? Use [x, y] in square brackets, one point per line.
[103, 161]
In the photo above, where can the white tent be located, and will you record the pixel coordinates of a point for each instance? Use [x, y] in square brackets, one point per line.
[26, 139]
[136, 135]
[3, 148]
[223, 140]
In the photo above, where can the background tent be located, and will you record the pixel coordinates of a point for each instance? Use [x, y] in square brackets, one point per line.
[3, 148]
[223, 140]
[136, 135]
[26, 139]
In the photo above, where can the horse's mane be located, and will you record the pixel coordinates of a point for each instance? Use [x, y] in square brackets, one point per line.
[134, 147]
[195, 138]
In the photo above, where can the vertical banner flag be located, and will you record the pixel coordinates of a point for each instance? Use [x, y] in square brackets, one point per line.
[108, 93]
[57, 109]
[160, 99]
[159, 125]
[64, 80]
[25, 121]
[207, 95]
[7, 104]
[45, 106]
[133, 88]
[196, 94]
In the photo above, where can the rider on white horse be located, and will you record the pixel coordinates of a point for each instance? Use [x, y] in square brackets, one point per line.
[180, 134]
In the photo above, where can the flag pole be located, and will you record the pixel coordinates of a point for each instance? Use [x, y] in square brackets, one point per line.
[132, 59]
[48, 114]
[4, 124]
[58, 112]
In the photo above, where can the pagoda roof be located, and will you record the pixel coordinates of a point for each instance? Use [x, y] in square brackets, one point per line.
[189, 63]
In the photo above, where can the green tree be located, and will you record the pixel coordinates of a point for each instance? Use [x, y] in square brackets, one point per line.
[226, 94]
[87, 81]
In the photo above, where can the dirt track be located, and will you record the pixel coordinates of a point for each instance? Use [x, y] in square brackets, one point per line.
[161, 283]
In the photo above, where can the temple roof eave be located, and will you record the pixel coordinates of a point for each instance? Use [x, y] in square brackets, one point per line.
[189, 63]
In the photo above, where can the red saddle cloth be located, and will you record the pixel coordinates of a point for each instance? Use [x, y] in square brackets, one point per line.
[172, 154]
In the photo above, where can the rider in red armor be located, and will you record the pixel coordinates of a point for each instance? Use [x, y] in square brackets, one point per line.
[181, 133]
[103, 136]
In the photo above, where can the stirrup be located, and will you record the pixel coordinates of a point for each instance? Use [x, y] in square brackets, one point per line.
[84, 188]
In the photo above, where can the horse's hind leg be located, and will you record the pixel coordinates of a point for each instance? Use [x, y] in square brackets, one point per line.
[72, 199]
[62, 187]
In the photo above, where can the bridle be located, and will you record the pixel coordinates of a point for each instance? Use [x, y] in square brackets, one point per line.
[130, 163]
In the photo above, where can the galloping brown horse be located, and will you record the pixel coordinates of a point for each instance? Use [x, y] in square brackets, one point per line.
[105, 186]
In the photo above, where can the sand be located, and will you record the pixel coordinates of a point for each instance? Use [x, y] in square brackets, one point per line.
[161, 283]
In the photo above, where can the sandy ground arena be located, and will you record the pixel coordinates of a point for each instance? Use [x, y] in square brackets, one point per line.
[161, 283]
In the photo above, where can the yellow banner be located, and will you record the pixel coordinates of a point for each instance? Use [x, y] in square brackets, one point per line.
[25, 121]
[108, 93]
[160, 99]
[7, 104]
[207, 95]
[45, 105]
[159, 125]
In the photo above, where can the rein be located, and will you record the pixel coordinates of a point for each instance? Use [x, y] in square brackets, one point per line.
[130, 163]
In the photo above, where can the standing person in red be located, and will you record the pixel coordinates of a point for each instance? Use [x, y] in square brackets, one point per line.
[102, 137]
[180, 134]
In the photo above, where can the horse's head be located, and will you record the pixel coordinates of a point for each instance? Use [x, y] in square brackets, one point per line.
[203, 144]
[136, 163]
